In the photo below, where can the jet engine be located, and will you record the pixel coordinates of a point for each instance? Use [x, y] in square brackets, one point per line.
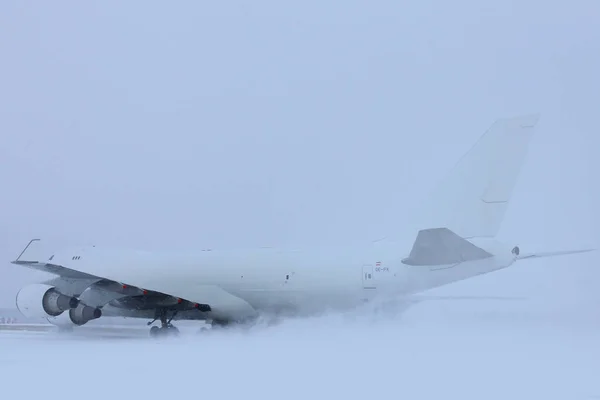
[42, 301]
[77, 316]
[83, 314]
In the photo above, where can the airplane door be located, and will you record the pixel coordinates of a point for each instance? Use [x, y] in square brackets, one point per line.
[368, 277]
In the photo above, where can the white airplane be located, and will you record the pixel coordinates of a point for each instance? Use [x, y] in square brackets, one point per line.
[225, 287]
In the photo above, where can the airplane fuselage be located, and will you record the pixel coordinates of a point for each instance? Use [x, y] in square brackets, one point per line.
[242, 283]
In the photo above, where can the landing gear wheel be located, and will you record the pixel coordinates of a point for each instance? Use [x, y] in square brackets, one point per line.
[166, 328]
[164, 331]
[171, 330]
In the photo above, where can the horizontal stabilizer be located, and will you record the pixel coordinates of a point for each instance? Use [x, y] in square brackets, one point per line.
[475, 298]
[441, 246]
[525, 256]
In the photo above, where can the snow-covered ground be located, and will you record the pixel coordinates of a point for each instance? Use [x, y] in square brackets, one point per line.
[542, 342]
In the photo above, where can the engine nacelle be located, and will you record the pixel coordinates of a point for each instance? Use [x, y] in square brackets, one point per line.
[83, 314]
[42, 301]
[77, 316]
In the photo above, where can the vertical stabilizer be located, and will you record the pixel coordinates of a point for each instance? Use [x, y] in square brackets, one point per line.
[472, 200]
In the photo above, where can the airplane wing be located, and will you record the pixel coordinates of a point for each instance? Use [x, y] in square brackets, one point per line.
[33, 261]
[54, 269]
[135, 300]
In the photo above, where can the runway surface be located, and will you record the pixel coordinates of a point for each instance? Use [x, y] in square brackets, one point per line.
[545, 345]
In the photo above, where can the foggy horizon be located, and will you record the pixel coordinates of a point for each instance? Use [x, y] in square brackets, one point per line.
[237, 125]
[190, 125]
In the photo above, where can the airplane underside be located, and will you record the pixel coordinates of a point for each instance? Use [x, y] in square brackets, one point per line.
[69, 303]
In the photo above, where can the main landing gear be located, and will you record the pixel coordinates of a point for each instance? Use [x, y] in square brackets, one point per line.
[166, 328]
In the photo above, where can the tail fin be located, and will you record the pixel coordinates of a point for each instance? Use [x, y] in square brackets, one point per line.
[472, 200]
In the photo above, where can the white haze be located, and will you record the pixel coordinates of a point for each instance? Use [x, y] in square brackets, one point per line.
[531, 345]
[233, 124]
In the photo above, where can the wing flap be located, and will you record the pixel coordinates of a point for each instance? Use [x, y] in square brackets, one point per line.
[223, 304]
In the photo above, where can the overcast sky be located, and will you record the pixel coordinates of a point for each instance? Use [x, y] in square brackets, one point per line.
[167, 125]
